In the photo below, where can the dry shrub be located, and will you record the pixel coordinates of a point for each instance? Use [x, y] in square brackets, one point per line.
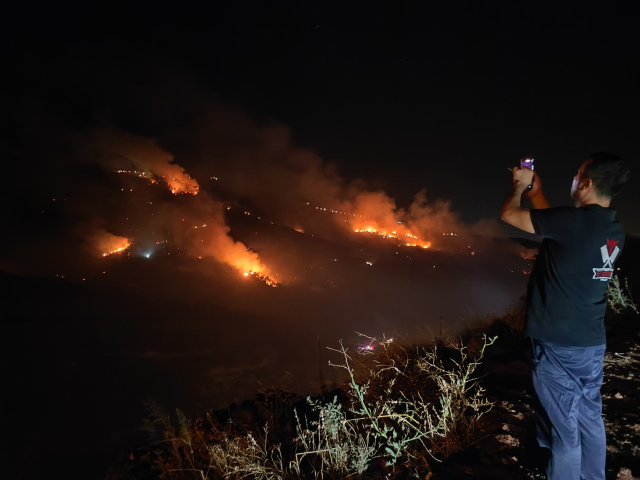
[405, 407]
[416, 404]
[334, 445]
[619, 298]
[244, 457]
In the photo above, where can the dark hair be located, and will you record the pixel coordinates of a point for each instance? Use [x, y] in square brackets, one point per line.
[608, 172]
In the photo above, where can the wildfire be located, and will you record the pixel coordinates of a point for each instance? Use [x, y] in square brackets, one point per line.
[409, 238]
[117, 250]
[107, 243]
[180, 183]
[185, 184]
[374, 214]
[263, 278]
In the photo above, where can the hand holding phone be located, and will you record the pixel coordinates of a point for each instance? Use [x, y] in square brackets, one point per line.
[528, 164]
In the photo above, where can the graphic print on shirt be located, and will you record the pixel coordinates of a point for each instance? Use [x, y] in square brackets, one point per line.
[609, 253]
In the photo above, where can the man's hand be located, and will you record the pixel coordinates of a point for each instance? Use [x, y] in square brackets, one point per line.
[536, 186]
[522, 178]
[512, 211]
[535, 194]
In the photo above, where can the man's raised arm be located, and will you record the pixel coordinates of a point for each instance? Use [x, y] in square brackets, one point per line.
[512, 211]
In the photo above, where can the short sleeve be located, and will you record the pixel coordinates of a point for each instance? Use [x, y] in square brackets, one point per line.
[553, 222]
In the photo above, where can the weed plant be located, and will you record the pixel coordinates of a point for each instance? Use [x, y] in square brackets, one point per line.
[619, 297]
[402, 409]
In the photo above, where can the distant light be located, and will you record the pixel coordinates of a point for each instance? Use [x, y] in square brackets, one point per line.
[148, 255]
[245, 274]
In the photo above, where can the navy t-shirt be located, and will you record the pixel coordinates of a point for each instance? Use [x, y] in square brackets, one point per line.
[566, 297]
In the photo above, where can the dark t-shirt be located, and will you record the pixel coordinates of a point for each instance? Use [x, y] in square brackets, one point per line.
[567, 289]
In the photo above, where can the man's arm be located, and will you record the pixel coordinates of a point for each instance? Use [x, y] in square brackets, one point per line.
[536, 196]
[512, 211]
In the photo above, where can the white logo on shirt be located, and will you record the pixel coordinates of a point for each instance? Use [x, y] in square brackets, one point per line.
[609, 253]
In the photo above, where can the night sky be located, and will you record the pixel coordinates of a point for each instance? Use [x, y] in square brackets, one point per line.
[436, 95]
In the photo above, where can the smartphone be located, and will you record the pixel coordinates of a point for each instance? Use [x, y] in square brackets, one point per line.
[527, 163]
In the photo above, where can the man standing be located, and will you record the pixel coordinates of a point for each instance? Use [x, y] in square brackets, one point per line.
[565, 309]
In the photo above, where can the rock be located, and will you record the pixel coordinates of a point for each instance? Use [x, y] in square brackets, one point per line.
[508, 441]
[625, 474]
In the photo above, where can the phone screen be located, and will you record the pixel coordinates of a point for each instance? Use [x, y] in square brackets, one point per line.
[526, 163]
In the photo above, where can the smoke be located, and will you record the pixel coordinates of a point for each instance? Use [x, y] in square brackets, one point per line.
[213, 157]
[105, 243]
[121, 151]
[262, 166]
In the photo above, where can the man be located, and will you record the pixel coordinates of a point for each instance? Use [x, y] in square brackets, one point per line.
[565, 309]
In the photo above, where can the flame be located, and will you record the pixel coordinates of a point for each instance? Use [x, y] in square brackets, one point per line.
[407, 236]
[215, 242]
[109, 244]
[117, 250]
[263, 278]
[376, 213]
[182, 183]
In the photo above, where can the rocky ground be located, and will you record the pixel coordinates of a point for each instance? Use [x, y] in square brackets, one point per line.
[507, 448]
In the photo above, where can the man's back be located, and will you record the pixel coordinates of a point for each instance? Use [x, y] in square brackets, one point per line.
[566, 303]
[566, 296]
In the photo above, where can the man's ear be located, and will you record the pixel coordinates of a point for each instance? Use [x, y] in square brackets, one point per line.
[586, 184]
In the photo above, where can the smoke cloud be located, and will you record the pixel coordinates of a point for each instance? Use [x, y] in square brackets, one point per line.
[124, 152]
[177, 187]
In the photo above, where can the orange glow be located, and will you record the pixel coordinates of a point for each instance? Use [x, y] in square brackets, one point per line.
[117, 250]
[109, 244]
[413, 240]
[179, 181]
[376, 213]
[217, 244]
[263, 278]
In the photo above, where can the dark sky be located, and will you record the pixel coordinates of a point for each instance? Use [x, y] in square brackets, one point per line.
[442, 95]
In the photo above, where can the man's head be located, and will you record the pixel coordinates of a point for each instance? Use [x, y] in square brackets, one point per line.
[599, 179]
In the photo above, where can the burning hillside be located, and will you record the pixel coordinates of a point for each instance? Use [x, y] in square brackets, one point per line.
[172, 196]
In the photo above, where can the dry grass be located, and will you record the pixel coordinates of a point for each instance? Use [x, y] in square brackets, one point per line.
[403, 408]
[420, 403]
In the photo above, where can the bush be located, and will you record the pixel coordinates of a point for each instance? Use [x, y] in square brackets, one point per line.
[403, 408]
[619, 298]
